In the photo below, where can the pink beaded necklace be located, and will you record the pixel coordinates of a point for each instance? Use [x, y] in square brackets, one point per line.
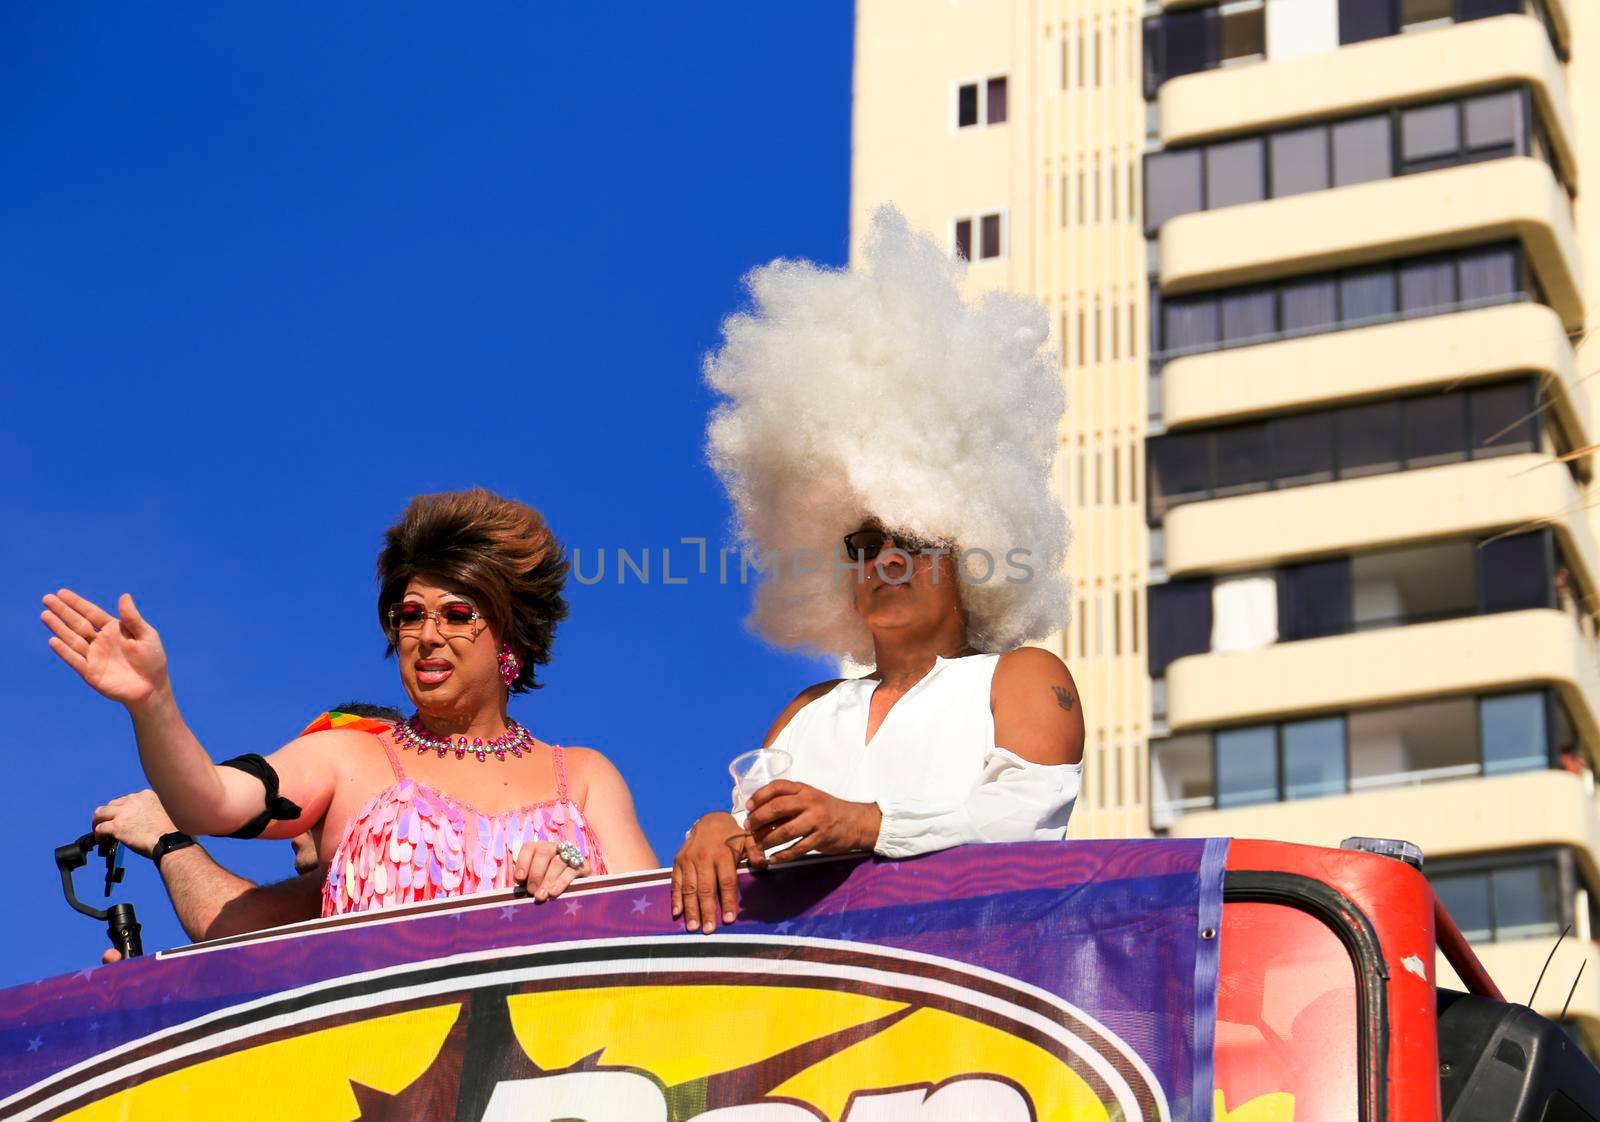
[412, 733]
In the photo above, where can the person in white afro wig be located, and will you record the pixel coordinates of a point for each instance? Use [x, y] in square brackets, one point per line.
[888, 447]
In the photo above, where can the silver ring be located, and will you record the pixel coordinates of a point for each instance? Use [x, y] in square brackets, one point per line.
[569, 853]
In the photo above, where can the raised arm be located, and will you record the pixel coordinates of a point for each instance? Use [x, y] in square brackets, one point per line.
[122, 658]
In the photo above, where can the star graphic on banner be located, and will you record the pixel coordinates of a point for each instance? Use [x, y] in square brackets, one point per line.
[572, 907]
[508, 912]
[641, 904]
[848, 934]
[35, 1044]
[94, 1026]
[86, 973]
[782, 928]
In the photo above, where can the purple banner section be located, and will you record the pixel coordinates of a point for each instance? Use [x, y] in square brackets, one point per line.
[1112, 927]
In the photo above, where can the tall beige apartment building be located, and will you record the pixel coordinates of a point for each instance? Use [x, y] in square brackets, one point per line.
[1319, 272]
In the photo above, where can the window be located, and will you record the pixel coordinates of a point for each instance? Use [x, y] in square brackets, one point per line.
[1421, 13]
[1362, 151]
[1503, 422]
[973, 110]
[1244, 31]
[1249, 315]
[1369, 439]
[1243, 460]
[1302, 448]
[1515, 737]
[967, 106]
[1173, 185]
[1366, 295]
[1394, 587]
[1494, 125]
[990, 245]
[1313, 758]
[1436, 430]
[1427, 285]
[1430, 137]
[1360, 20]
[1180, 778]
[1190, 324]
[964, 238]
[1517, 572]
[1247, 766]
[1315, 600]
[1180, 622]
[1310, 306]
[1488, 274]
[995, 102]
[1300, 161]
[1413, 743]
[1236, 173]
[1509, 899]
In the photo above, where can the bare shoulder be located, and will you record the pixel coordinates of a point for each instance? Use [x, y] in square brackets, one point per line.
[1036, 708]
[588, 763]
[800, 701]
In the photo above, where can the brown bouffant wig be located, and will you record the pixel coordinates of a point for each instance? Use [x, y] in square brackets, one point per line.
[499, 550]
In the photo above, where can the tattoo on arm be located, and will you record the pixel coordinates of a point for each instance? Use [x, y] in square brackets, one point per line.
[1064, 697]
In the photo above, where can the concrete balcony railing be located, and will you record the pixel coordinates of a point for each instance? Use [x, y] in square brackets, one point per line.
[1407, 355]
[1257, 531]
[1377, 74]
[1515, 965]
[1383, 220]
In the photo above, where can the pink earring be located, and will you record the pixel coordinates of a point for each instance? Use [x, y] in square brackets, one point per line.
[510, 665]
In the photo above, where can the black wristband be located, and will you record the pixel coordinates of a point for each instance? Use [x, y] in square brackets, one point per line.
[166, 843]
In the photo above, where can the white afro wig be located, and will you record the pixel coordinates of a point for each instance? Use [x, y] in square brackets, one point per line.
[880, 391]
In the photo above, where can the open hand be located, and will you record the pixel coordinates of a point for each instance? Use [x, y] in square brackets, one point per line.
[705, 874]
[120, 656]
[783, 812]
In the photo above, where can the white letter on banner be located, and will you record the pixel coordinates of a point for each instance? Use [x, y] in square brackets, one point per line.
[758, 1112]
[593, 1096]
[965, 1100]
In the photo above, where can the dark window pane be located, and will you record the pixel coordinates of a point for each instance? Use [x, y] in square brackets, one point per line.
[1361, 151]
[1413, 12]
[995, 109]
[1180, 622]
[1310, 306]
[1247, 766]
[1235, 173]
[1244, 33]
[1302, 448]
[1495, 121]
[1368, 439]
[991, 236]
[1435, 429]
[967, 106]
[1191, 41]
[1153, 65]
[1365, 296]
[1299, 161]
[1515, 573]
[1180, 470]
[1156, 346]
[1243, 460]
[1315, 599]
[1526, 902]
[1313, 758]
[1430, 137]
[1513, 733]
[1427, 285]
[1249, 316]
[1392, 587]
[964, 239]
[1488, 274]
[1502, 419]
[1360, 20]
[1191, 323]
[1466, 897]
[1483, 9]
[1172, 186]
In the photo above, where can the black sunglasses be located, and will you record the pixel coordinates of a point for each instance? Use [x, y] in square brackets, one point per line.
[865, 545]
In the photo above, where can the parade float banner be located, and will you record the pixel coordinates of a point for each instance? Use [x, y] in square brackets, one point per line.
[1002, 983]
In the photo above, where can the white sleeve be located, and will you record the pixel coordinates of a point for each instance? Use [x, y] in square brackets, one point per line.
[1015, 800]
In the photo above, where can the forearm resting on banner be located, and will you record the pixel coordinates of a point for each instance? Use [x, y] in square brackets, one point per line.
[1016, 800]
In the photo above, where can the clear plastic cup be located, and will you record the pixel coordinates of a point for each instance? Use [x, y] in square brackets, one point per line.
[752, 771]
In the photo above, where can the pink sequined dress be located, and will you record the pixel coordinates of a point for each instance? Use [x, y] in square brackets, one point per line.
[413, 842]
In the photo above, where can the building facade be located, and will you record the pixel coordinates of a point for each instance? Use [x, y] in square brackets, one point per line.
[1320, 274]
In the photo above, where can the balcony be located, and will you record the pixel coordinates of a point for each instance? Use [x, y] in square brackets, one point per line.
[1254, 531]
[1516, 965]
[1484, 653]
[1380, 221]
[1380, 73]
[1414, 354]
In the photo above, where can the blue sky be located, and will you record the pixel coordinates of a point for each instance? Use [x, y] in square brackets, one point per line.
[268, 272]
